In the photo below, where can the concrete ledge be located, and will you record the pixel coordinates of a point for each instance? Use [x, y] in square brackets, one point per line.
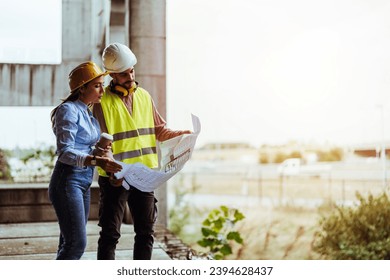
[23, 203]
[39, 241]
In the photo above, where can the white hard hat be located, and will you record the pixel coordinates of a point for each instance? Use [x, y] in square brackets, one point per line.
[118, 58]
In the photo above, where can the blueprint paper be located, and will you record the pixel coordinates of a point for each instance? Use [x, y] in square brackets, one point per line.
[174, 153]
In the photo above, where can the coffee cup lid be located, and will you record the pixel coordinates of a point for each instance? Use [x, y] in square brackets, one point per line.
[107, 136]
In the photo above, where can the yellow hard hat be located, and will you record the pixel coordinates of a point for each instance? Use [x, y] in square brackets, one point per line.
[84, 73]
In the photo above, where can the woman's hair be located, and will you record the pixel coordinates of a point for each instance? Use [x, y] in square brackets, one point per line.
[73, 96]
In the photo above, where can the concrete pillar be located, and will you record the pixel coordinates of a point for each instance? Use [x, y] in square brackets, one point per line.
[148, 42]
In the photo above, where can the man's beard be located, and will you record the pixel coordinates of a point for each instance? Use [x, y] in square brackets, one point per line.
[127, 85]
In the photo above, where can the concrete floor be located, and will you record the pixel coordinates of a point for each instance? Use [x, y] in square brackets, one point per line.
[39, 241]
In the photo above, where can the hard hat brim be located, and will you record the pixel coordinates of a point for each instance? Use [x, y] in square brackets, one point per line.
[86, 82]
[119, 70]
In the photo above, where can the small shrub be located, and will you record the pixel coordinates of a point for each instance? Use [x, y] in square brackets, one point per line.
[5, 170]
[335, 154]
[295, 154]
[35, 165]
[263, 158]
[356, 233]
[179, 213]
[217, 231]
[280, 157]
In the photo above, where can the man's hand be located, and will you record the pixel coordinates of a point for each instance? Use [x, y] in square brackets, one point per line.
[108, 164]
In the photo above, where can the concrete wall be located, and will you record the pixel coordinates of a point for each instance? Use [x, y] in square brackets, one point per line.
[45, 85]
[148, 42]
[22, 203]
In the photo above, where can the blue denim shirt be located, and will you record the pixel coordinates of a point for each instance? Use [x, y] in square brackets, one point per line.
[76, 131]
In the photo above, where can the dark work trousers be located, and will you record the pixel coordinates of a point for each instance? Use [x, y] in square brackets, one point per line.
[112, 207]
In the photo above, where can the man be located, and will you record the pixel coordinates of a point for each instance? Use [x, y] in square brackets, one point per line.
[127, 112]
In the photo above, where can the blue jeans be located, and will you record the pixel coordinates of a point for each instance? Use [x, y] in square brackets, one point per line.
[112, 207]
[69, 192]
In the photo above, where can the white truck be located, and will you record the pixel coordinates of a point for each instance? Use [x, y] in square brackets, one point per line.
[295, 167]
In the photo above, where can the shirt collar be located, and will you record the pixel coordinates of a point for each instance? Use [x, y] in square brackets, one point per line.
[81, 105]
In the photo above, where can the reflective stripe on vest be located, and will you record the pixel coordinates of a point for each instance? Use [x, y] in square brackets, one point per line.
[134, 138]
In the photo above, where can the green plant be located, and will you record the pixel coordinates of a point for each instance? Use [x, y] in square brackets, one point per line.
[179, 216]
[46, 155]
[356, 233]
[179, 213]
[5, 170]
[217, 231]
[37, 165]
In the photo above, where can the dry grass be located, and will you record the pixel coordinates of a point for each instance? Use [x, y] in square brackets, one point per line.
[281, 233]
[277, 232]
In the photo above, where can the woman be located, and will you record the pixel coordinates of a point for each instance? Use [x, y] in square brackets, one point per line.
[77, 131]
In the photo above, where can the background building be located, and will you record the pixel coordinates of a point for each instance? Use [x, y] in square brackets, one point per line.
[87, 27]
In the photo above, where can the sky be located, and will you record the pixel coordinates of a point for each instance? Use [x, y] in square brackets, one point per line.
[257, 71]
[280, 70]
[30, 31]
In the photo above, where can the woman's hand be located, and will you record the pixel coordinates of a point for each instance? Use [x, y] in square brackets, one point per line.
[108, 164]
[103, 152]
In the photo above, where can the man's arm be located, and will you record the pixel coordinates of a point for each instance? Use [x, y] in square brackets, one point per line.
[163, 133]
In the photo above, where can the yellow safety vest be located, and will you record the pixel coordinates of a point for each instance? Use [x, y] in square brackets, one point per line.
[134, 135]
